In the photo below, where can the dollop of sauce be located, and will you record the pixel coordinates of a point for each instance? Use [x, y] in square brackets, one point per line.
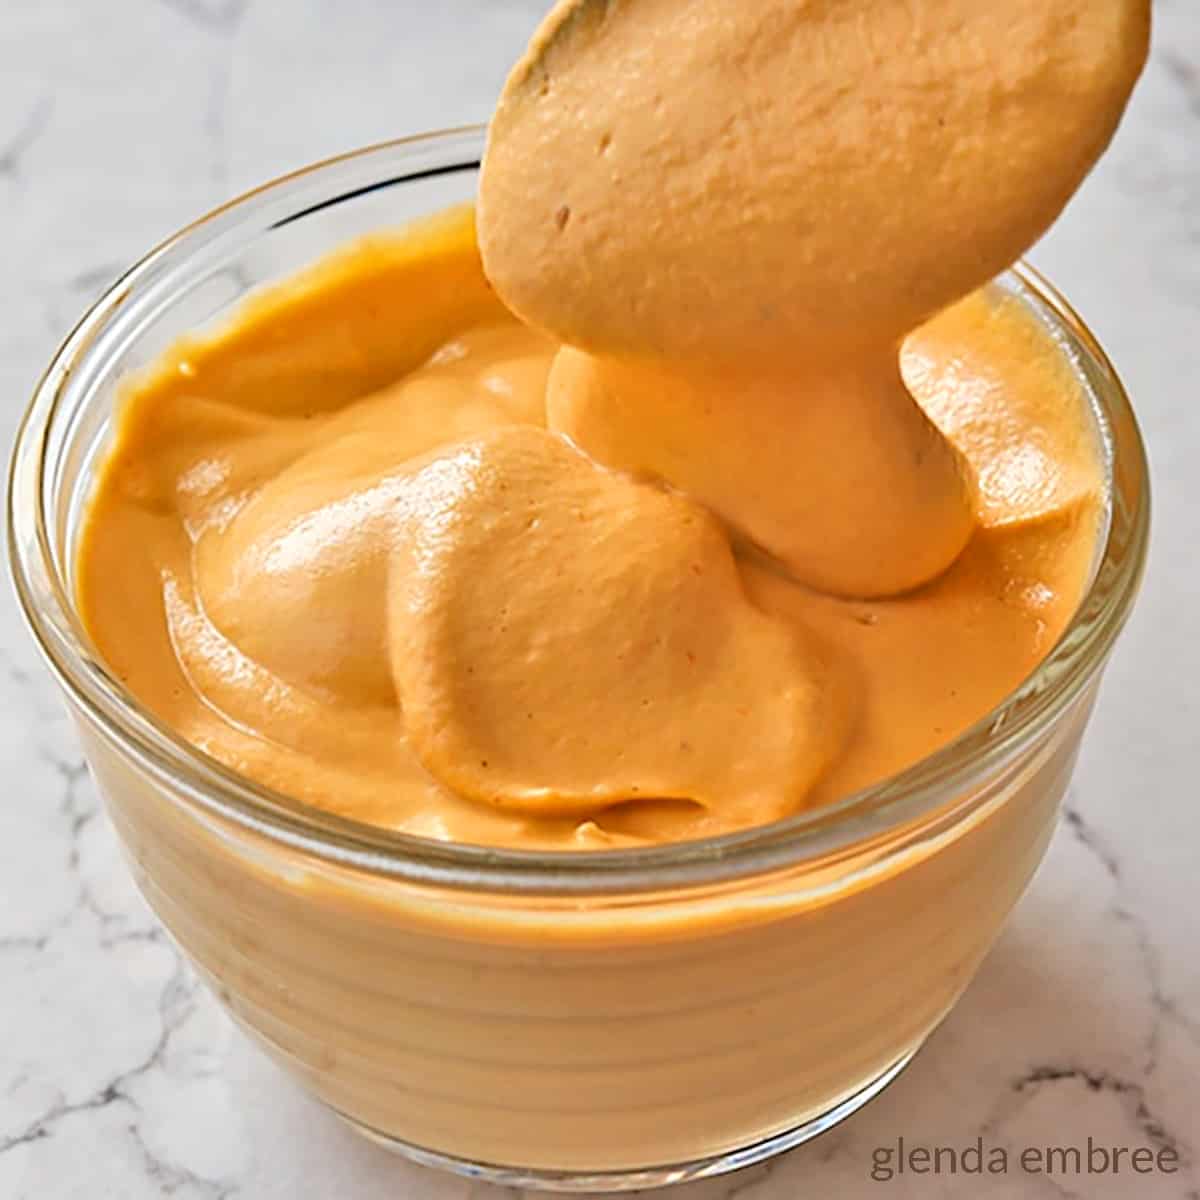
[336, 548]
[546, 621]
[733, 214]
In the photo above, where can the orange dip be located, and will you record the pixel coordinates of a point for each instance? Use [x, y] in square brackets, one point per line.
[723, 524]
[353, 566]
[704, 536]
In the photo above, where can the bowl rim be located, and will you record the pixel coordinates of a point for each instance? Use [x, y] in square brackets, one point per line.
[917, 794]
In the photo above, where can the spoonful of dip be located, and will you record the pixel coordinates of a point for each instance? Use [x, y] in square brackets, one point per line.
[732, 214]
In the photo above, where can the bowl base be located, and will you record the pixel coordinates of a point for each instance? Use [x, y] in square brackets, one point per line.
[644, 1177]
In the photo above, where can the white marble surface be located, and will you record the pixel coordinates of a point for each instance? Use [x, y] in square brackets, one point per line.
[119, 1078]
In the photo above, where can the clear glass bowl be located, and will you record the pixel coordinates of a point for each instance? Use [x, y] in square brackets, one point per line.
[592, 1021]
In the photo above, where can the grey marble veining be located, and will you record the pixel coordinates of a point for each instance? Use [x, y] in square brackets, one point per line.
[119, 1077]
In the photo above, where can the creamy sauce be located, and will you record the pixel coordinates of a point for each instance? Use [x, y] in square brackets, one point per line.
[666, 554]
[355, 567]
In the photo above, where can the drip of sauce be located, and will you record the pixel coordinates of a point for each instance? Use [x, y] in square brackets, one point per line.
[733, 214]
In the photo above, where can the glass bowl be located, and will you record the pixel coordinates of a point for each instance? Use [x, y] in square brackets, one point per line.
[570, 1021]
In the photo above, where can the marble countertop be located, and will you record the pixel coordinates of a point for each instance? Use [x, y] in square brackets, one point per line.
[118, 1075]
